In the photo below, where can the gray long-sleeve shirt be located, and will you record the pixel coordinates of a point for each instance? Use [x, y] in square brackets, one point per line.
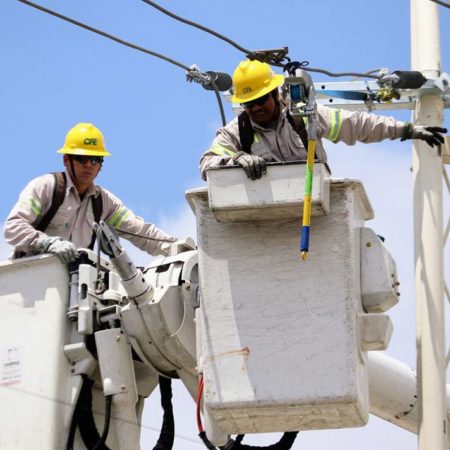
[284, 144]
[74, 218]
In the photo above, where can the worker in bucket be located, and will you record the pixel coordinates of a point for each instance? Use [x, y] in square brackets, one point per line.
[55, 212]
[265, 132]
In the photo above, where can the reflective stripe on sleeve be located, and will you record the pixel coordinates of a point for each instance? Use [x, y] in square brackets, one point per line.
[33, 203]
[336, 124]
[117, 219]
[221, 150]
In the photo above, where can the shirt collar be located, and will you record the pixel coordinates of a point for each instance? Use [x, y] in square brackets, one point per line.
[92, 190]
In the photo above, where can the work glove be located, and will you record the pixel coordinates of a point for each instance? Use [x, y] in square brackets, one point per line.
[431, 135]
[64, 250]
[253, 165]
[181, 246]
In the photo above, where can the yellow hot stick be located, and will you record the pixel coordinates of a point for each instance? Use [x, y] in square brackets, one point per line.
[304, 242]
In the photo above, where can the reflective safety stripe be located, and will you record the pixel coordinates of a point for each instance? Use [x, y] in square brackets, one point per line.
[34, 203]
[221, 150]
[118, 218]
[336, 124]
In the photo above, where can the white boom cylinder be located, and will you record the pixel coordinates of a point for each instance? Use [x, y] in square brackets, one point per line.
[428, 238]
[393, 392]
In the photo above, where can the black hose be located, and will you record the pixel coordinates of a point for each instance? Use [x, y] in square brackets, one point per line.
[285, 443]
[84, 419]
[101, 443]
[167, 434]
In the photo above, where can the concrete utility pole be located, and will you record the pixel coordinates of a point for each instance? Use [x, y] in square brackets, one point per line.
[428, 237]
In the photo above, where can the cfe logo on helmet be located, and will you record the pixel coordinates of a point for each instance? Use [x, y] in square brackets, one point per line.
[90, 141]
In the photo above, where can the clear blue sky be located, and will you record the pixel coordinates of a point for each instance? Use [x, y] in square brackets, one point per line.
[157, 125]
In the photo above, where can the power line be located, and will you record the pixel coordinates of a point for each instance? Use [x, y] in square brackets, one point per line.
[193, 74]
[447, 5]
[104, 34]
[272, 57]
[196, 25]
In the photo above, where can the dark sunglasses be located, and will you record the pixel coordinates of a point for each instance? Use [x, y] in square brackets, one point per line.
[259, 101]
[83, 159]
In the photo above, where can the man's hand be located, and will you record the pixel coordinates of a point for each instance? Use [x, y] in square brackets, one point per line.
[253, 165]
[431, 135]
[64, 250]
[181, 246]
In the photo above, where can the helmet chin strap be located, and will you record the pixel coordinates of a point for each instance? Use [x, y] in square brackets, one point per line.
[72, 169]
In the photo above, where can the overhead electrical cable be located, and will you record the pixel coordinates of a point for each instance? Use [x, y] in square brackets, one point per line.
[210, 80]
[104, 34]
[196, 25]
[447, 5]
[263, 55]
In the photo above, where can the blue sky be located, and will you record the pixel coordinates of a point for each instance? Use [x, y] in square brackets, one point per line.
[156, 125]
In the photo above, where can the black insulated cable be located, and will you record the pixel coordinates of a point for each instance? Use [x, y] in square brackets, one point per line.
[101, 443]
[447, 5]
[211, 82]
[167, 434]
[104, 34]
[196, 25]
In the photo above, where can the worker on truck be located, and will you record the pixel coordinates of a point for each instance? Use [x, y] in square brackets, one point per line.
[265, 131]
[55, 212]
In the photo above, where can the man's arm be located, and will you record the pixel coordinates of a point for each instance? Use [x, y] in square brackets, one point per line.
[32, 204]
[225, 145]
[339, 125]
[350, 127]
[144, 235]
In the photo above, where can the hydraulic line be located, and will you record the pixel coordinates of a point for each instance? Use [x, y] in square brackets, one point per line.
[101, 443]
[285, 443]
[167, 434]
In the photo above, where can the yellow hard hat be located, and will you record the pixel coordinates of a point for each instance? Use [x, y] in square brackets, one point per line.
[253, 79]
[84, 139]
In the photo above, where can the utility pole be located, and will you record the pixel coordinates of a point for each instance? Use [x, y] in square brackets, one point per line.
[428, 237]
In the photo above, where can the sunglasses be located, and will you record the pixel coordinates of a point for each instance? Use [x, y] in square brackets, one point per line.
[259, 101]
[83, 159]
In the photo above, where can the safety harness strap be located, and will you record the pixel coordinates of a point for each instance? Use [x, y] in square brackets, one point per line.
[299, 126]
[247, 133]
[97, 207]
[59, 193]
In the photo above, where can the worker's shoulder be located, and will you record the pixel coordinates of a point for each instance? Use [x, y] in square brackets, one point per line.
[41, 182]
[107, 195]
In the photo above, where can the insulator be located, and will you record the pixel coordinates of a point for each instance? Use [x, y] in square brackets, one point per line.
[408, 79]
[222, 80]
